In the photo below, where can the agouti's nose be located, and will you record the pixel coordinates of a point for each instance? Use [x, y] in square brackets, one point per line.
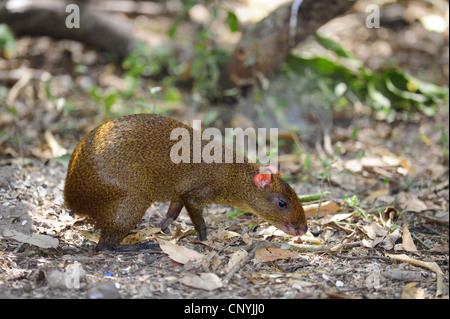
[300, 231]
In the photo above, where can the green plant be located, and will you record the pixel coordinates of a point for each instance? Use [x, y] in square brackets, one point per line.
[7, 41]
[353, 202]
[205, 68]
[388, 93]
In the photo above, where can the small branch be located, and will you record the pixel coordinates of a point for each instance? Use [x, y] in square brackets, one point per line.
[267, 244]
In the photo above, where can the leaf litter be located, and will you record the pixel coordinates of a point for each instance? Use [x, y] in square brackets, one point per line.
[392, 242]
[386, 245]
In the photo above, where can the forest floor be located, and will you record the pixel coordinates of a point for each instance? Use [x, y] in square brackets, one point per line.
[381, 232]
[392, 244]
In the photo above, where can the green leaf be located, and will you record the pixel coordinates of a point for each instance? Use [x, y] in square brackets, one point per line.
[7, 40]
[312, 197]
[173, 94]
[337, 48]
[233, 22]
[379, 98]
[63, 160]
[235, 213]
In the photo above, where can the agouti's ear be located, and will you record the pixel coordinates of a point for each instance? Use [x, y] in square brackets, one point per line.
[262, 180]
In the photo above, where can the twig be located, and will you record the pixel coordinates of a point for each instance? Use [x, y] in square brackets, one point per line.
[421, 241]
[267, 244]
[244, 260]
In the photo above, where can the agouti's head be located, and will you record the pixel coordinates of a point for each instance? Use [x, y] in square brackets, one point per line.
[277, 202]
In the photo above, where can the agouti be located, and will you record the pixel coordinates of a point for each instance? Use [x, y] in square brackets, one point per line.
[120, 168]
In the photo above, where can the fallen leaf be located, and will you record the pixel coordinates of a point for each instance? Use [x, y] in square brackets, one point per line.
[336, 218]
[326, 208]
[389, 241]
[388, 216]
[205, 281]
[247, 239]
[142, 235]
[411, 203]
[433, 266]
[56, 149]
[412, 292]
[376, 234]
[42, 241]
[91, 237]
[374, 195]
[228, 234]
[374, 230]
[407, 241]
[272, 231]
[404, 258]
[272, 254]
[441, 249]
[299, 284]
[178, 253]
[235, 258]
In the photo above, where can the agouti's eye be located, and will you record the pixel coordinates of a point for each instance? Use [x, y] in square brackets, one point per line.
[282, 203]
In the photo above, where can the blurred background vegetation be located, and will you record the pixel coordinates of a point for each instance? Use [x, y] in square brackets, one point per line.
[52, 91]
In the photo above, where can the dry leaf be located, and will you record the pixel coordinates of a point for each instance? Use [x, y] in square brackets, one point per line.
[374, 230]
[336, 218]
[43, 241]
[55, 147]
[142, 235]
[407, 241]
[247, 239]
[441, 249]
[376, 233]
[178, 253]
[272, 231]
[91, 237]
[389, 241]
[206, 281]
[440, 285]
[404, 258]
[271, 254]
[374, 195]
[228, 234]
[388, 216]
[236, 258]
[412, 292]
[353, 165]
[411, 203]
[325, 209]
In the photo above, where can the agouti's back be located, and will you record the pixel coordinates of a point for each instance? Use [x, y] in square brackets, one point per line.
[120, 168]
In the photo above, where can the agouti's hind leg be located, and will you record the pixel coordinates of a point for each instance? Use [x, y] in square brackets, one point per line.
[122, 221]
[172, 214]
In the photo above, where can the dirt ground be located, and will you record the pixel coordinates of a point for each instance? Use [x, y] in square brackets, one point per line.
[381, 232]
[350, 255]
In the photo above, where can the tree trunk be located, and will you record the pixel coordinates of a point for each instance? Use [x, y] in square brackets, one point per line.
[265, 45]
[105, 31]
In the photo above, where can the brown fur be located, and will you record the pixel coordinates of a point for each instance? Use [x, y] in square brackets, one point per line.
[120, 168]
